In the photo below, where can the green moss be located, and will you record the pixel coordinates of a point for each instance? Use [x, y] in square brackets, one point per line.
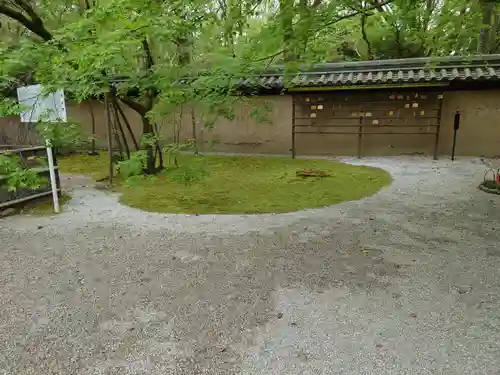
[45, 207]
[237, 184]
[95, 167]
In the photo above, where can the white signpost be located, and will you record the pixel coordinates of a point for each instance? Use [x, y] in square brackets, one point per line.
[39, 108]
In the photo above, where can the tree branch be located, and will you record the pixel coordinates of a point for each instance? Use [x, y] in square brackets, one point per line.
[365, 36]
[29, 10]
[377, 5]
[35, 25]
[354, 14]
[136, 106]
[150, 93]
[147, 51]
[316, 3]
[347, 16]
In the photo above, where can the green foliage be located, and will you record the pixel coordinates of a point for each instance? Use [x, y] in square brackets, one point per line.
[62, 135]
[8, 163]
[9, 107]
[210, 44]
[161, 55]
[186, 172]
[174, 151]
[15, 177]
[150, 140]
[134, 166]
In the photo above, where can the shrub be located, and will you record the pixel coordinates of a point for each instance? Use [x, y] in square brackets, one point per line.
[16, 177]
[63, 136]
[134, 166]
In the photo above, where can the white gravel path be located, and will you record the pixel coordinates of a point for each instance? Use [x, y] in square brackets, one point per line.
[403, 282]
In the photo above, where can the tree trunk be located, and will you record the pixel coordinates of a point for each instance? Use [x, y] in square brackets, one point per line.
[369, 50]
[92, 117]
[488, 8]
[193, 124]
[147, 131]
[286, 13]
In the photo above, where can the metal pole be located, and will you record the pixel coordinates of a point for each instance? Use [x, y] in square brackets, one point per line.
[456, 126]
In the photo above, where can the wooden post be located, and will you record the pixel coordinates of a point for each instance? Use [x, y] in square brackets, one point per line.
[127, 124]
[456, 126]
[58, 176]
[438, 128]
[360, 135]
[118, 124]
[92, 116]
[110, 138]
[193, 129]
[53, 178]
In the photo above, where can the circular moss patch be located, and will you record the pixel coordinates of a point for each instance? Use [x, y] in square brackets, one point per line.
[240, 184]
[251, 185]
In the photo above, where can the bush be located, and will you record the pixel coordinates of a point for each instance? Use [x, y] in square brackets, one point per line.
[63, 136]
[134, 166]
[174, 150]
[17, 177]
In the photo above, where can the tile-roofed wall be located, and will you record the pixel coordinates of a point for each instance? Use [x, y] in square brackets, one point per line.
[418, 70]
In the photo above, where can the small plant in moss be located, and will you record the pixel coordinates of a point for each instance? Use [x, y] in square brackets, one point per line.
[134, 166]
[187, 173]
[174, 151]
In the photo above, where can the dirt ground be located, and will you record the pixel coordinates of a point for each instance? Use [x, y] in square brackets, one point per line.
[403, 282]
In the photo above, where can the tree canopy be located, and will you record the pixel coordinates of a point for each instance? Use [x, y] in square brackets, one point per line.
[146, 48]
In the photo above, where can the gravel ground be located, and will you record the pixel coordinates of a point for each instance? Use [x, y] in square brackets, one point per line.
[403, 282]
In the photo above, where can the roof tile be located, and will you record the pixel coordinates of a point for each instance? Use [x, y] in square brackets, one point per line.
[478, 68]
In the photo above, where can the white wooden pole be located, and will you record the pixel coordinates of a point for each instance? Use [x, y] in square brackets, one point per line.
[36, 107]
[53, 182]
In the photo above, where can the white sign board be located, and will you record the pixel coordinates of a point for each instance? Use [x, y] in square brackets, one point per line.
[43, 108]
[47, 108]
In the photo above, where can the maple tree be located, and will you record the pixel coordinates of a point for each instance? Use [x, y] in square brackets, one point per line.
[159, 55]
